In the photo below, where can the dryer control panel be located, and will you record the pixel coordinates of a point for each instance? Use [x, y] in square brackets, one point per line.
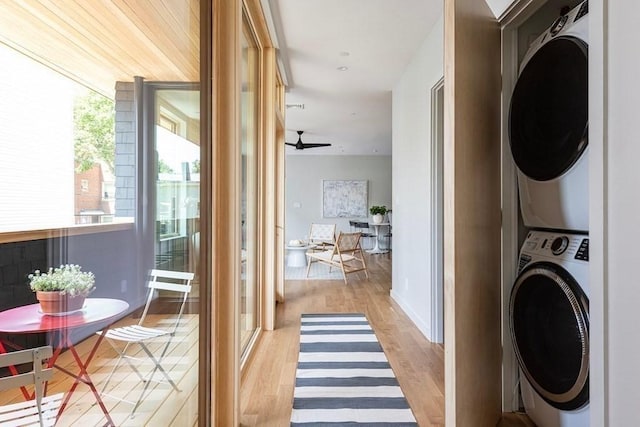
[584, 9]
[559, 27]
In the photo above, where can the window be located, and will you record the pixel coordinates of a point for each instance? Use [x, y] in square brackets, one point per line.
[53, 127]
[249, 196]
[76, 152]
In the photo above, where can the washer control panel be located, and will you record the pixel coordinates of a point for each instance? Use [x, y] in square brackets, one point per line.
[555, 245]
[559, 245]
[583, 250]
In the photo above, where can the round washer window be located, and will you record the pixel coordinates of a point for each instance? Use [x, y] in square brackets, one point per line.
[548, 118]
[550, 331]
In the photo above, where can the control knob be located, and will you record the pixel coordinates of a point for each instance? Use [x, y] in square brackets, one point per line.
[558, 25]
[559, 245]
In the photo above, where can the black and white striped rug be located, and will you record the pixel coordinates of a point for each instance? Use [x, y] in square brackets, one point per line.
[343, 376]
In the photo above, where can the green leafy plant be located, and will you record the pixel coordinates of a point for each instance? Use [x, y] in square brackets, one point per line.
[94, 131]
[68, 279]
[378, 210]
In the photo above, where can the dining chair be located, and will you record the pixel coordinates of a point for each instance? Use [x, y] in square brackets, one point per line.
[144, 332]
[346, 255]
[40, 410]
[365, 230]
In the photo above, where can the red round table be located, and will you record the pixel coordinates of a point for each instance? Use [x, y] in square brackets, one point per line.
[29, 319]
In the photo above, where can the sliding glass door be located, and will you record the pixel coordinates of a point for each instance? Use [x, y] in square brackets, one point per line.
[249, 193]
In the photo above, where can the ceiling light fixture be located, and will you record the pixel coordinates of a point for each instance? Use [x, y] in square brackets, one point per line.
[342, 68]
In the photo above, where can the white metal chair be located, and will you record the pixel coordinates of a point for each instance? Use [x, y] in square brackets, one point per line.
[41, 410]
[346, 255]
[176, 282]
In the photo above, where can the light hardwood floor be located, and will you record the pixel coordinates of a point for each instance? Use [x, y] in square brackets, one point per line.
[268, 383]
[162, 407]
[267, 388]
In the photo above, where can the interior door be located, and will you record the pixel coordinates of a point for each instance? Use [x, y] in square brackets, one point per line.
[472, 200]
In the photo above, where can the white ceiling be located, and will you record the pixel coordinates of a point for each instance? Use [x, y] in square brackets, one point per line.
[375, 39]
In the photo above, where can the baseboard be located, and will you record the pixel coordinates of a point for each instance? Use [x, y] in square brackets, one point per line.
[422, 326]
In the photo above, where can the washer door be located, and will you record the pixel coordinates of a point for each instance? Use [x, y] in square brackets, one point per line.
[548, 117]
[549, 316]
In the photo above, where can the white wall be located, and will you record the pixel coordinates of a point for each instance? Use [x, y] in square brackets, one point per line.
[303, 186]
[615, 212]
[411, 180]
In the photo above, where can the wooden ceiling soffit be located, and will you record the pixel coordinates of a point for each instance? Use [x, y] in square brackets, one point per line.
[98, 43]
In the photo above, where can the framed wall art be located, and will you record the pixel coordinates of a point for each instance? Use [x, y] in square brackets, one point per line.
[344, 198]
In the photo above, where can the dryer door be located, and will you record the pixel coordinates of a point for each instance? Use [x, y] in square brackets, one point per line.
[549, 316]
[548, 117]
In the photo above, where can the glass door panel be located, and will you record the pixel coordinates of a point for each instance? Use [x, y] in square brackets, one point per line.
[177, 176]
[249, 196]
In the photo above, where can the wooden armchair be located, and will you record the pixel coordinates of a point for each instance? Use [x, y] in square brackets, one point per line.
[346, 255]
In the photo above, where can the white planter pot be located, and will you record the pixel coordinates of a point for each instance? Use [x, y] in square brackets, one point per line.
[377, 218]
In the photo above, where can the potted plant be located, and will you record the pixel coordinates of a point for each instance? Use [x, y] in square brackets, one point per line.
[62, 289]
[378, 213]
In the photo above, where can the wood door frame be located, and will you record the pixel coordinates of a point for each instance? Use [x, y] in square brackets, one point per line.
[472, 218]
[223, 231]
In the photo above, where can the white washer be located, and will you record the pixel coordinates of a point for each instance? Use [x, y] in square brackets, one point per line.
[549, 320]
[548, 126]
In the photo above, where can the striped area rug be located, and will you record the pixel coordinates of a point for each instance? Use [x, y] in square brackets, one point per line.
[343, 376]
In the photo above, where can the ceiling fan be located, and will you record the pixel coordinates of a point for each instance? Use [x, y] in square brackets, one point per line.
[301, 145]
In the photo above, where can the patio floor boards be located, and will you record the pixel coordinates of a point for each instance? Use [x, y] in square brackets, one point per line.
[163, 405]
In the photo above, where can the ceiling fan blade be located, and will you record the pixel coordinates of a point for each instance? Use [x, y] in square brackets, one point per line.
[301, 145]
[316, 145]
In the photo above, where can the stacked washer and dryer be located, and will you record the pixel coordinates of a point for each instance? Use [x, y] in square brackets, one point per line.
[549, 306]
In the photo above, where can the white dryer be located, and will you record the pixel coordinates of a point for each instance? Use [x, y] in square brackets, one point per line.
[548, 126]
[549, 320]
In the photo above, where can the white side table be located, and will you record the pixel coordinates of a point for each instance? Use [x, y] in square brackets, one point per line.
[376, 249]
[297, 255]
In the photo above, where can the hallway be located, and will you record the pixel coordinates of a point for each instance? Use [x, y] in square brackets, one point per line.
[267, 387]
